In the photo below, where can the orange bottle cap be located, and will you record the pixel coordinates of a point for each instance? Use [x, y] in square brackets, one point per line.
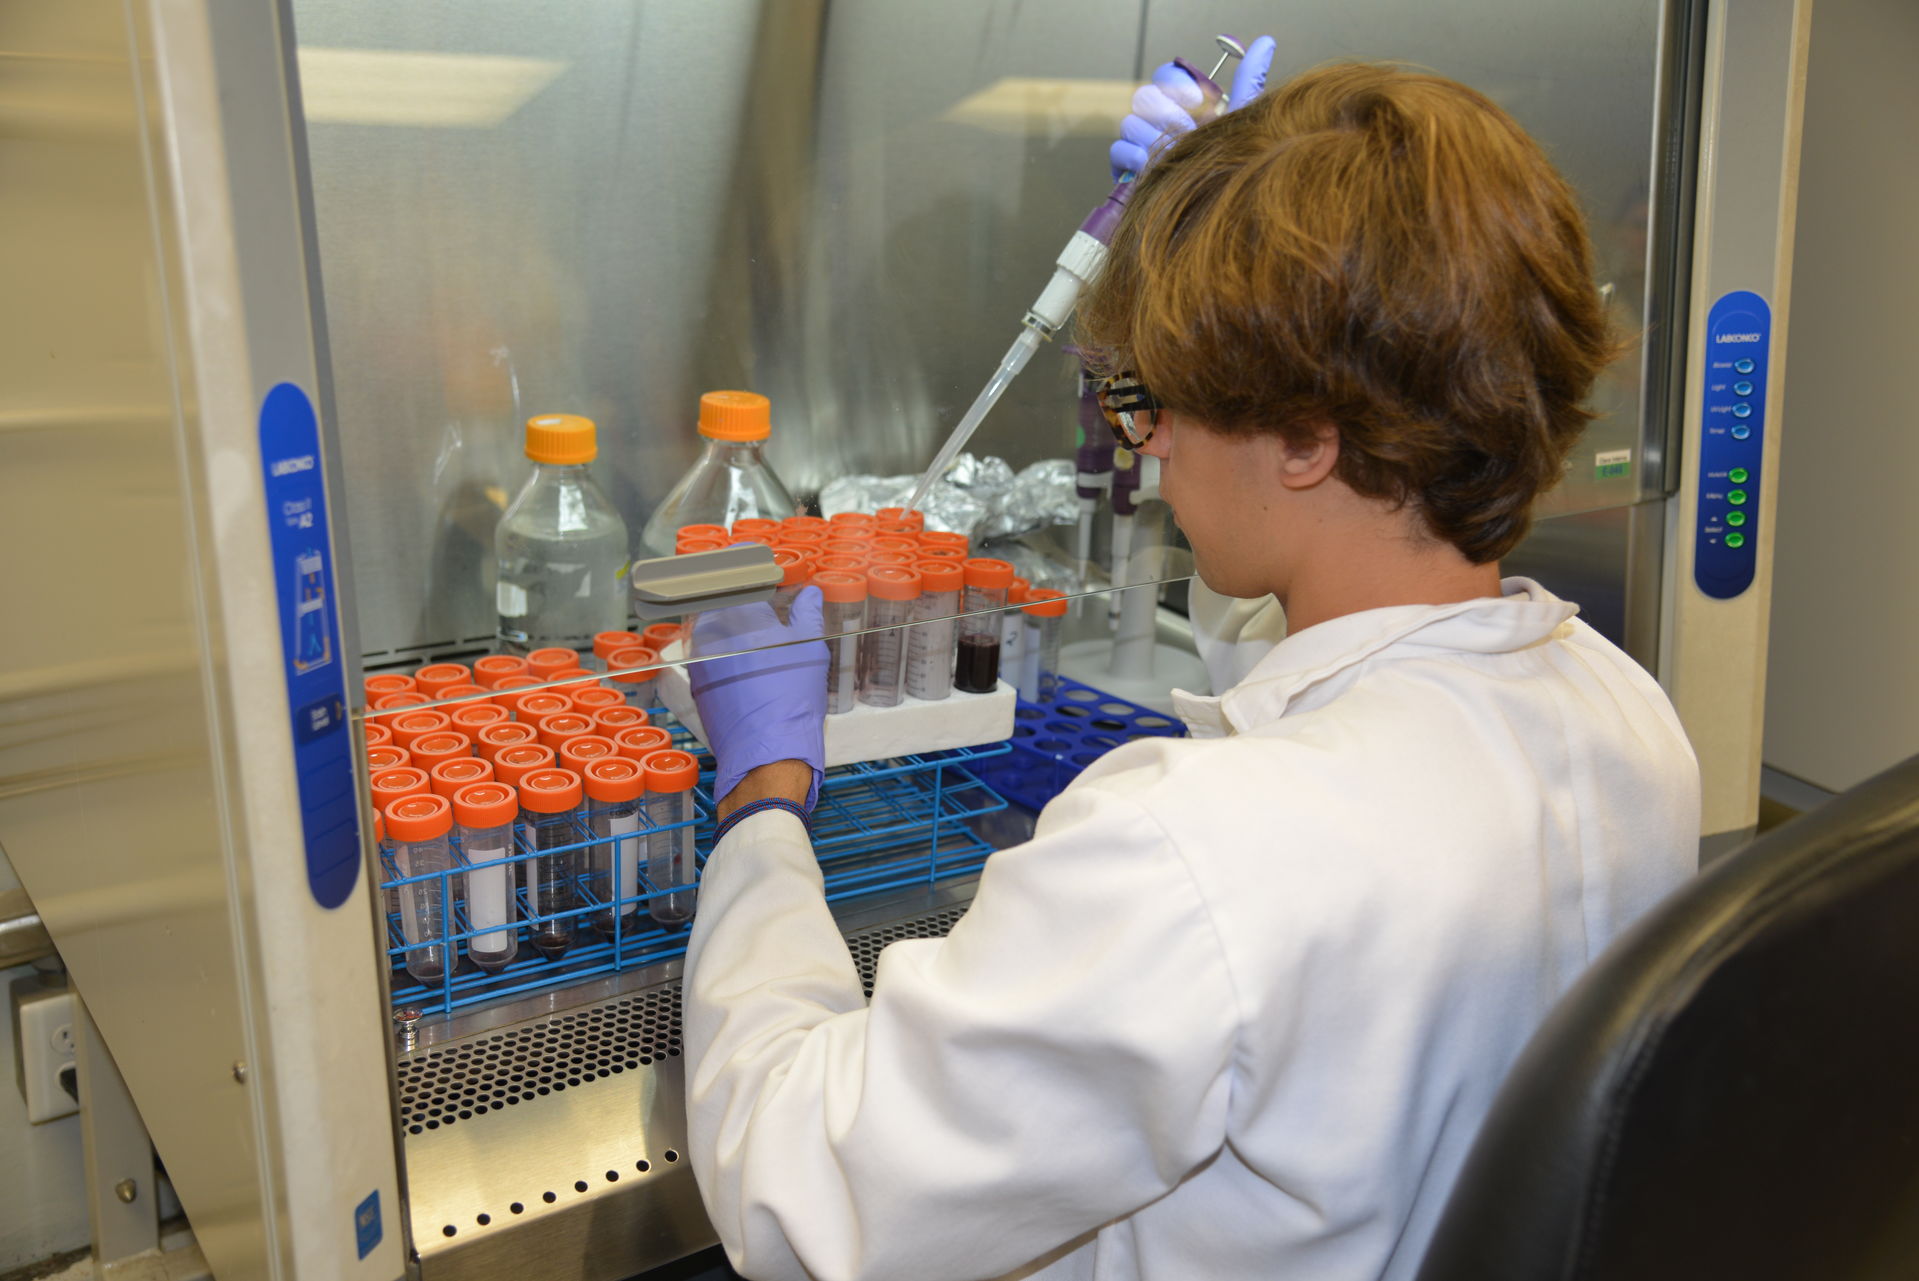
[893, 582]
[795, 567]
[494, 668]
[482, 805]
[629, 666]
[810, 541]
[614, 778]
[746, 526]
[984, 571]
[736, 415]
[437, 676]
[909, 546]
[846, 519]
[839, 565]
[940, 575]
[411, 725]
[549, 791]
[555, 658]
[589, 699]
[611, 720]
[858, 549]
[570, 674]
[475, 716]
[896, 559]
[905, 515]
[389, 785]
[561, 438]
[430, 749]
[507, 690]
[954, 554]
[700, 531]
[493, 739]
[942, 538]
[1045, 602]
[386, 756]
[688, 546]
[605, 643]
[660, 635]
[640, 740]
[556, 728]
[840, 586]
[418, 818]
[896, 529]
[670, 771]
[511, 764]
[797, 523]
[384, 683]
[461, 692]
[377, 733]
[581, 748]
[449, 776]
[402, 698]
[542, 703]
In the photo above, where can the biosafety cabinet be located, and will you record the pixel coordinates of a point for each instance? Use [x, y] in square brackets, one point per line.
[284, 281]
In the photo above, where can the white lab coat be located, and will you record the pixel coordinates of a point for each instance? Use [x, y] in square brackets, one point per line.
[1237, 1009]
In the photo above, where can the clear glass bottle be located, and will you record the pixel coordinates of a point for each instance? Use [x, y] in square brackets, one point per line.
[561, 545]
[732, 478]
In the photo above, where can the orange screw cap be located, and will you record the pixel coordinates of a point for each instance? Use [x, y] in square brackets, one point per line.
[562, 438]
[419, 818]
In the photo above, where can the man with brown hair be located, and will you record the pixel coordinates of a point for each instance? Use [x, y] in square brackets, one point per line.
[1238, 1008]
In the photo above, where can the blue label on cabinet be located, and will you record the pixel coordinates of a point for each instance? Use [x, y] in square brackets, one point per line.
[366, 1223]
[310, 643]
[1732, 439]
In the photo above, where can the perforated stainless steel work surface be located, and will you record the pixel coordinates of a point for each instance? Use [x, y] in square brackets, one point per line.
[555, 1146]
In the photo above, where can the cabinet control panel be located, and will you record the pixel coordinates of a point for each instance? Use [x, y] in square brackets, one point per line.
[1732, 431]
[310, 640]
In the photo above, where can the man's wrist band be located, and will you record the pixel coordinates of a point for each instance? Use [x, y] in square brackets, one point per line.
[751, 808]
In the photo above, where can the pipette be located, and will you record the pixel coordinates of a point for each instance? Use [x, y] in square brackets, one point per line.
[1078, 263]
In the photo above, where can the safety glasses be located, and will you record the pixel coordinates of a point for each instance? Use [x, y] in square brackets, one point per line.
[1131, 411]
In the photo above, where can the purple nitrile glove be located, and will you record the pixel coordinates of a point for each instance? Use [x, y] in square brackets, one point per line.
[1167, 107]
[757, 704]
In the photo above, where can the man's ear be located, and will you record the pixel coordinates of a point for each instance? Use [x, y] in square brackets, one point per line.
[1310, 459]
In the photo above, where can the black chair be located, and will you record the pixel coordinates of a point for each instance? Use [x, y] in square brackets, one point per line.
[1732, 1092]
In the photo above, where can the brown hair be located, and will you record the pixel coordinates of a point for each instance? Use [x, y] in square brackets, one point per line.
[1379, 249]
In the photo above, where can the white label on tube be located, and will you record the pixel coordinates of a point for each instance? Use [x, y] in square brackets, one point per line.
[622, 828]
[488, 898]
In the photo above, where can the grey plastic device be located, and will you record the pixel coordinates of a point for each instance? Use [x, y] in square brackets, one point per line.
[669, 586]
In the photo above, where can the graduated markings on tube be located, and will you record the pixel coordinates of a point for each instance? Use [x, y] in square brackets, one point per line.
[1612, 464]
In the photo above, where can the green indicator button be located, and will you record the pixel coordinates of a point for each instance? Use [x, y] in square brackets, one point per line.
[1735, 540]
[1735, 519]
[1739, 475]
[1737, 498]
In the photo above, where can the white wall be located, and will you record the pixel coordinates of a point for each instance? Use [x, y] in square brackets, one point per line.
[1842, 693]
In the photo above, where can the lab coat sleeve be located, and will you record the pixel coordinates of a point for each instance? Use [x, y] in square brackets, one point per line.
[1057, 1061]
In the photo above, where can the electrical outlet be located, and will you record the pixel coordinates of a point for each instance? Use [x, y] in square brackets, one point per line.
[43, 1046]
